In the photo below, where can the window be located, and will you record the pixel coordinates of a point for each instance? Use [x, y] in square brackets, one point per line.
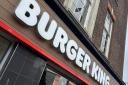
[4, 44]
[80, 9]
[84, 11]
[4, 51]
[52, 78]
[106, 36]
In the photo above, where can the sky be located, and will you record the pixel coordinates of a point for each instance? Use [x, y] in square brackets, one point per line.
[125, 73]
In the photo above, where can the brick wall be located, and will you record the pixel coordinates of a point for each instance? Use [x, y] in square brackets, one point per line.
[117, 44]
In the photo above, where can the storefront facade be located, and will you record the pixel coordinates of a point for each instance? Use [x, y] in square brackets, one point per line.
[41, 49]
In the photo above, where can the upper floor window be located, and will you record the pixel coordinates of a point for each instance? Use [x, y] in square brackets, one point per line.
[106, 36]
[84, 11]
[80, 9]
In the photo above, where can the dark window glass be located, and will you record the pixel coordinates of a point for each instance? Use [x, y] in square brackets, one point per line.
[4, 44]
[52, 78]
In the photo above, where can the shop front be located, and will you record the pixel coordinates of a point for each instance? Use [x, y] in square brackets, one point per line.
[38, 48]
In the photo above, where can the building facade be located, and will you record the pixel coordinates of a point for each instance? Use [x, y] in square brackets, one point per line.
[62, 42]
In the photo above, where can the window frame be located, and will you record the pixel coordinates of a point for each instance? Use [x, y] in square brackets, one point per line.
[55, 72]
[90, 19]
[81, 20]
[105, 48]
[5, 51]
[9, 52]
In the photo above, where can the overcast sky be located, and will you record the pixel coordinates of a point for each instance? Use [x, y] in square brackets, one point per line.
[125, 76]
